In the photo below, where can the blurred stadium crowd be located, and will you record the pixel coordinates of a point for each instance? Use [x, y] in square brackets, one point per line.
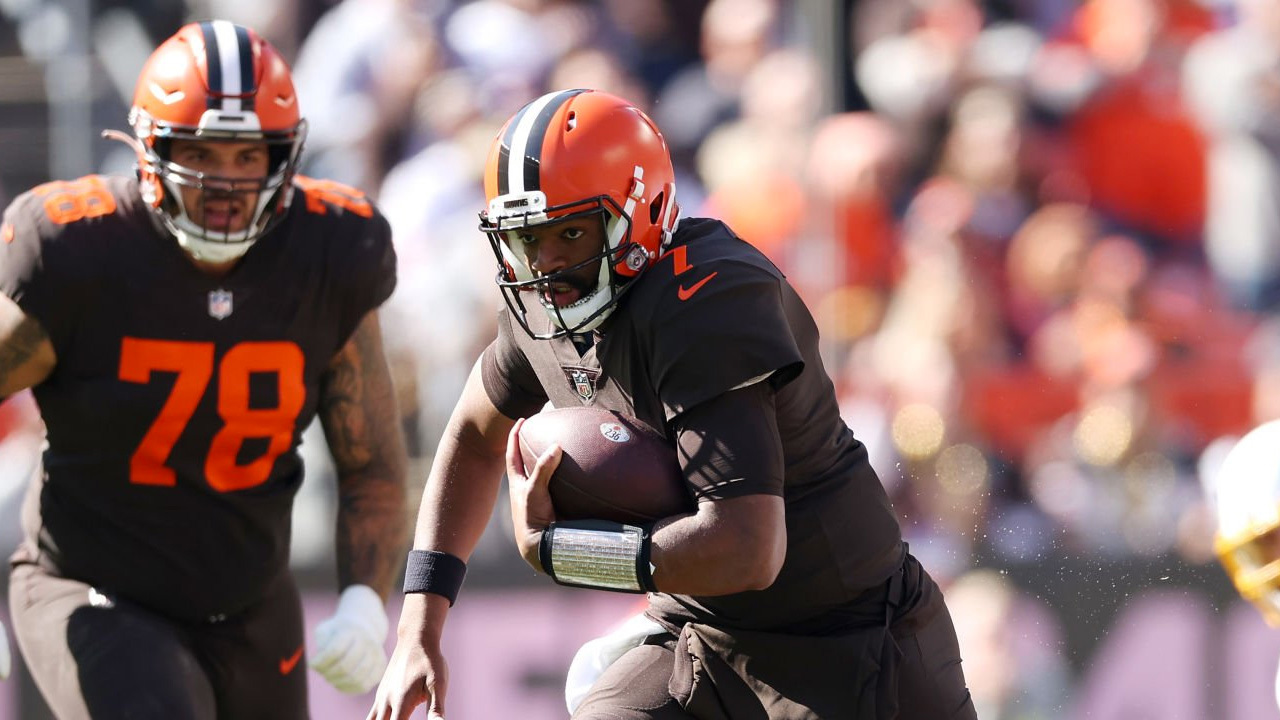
[1042, 237]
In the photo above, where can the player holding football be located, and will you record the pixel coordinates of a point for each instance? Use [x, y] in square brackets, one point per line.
[1247, 494]
[180, 329]
[792, 565]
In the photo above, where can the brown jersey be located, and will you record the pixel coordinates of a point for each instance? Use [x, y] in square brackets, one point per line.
[177, 404]
[714, 314]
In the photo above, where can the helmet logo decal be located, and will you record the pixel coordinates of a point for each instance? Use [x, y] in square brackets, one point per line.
[220, 305]
[229, 60]
[521, 153]
[583, 381]
[168, 98]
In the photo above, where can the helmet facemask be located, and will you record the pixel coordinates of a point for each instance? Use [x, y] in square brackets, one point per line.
[509, 215]
[1253, 562]
[166, 179]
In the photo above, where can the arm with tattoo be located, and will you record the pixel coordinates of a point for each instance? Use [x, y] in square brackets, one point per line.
[358, 413]
[26, 353]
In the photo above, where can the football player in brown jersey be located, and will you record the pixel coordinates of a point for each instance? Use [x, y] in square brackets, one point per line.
[179, 330]
[789, 587]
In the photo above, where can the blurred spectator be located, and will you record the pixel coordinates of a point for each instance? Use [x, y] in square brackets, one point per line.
[982, 153]
[1139, 153]
[360, 69]
[752, 167]
[505, 48]
[1232, 83]
[736, 34]
[443, 310]
[599, 69]
[854, 167]
[660, 38]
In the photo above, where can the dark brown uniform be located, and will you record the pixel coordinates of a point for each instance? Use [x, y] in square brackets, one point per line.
[715, 323]
[174, 415]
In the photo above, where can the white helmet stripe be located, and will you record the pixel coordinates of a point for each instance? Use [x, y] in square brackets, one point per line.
[526, 141]
[231, 62]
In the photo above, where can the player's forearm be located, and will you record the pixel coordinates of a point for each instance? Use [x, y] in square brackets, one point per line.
[460, 493]
[26, 353]
[362, 426]
[372, 525]
[727, 547]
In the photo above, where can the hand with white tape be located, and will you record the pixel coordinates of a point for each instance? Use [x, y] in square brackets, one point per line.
[349, 647]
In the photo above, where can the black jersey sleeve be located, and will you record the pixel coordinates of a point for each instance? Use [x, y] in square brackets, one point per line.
[40, 269]
[730, 445]
[509, 378]
[732, 332]
[370, 268]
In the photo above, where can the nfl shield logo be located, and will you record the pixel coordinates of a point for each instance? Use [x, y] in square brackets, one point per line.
[219, 303]
[583, 382]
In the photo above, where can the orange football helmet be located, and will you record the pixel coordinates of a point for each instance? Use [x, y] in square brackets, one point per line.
[215, 81]
[568, 154]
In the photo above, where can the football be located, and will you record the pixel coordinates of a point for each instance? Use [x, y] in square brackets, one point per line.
[613, 466]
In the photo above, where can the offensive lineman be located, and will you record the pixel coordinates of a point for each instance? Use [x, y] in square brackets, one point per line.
[180, 329]
[793, 565]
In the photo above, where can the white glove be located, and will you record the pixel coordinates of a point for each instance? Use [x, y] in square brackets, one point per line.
[595, 656]
[6, 662]
[349, 646]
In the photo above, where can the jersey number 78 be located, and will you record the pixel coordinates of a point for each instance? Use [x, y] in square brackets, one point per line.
[193, 362]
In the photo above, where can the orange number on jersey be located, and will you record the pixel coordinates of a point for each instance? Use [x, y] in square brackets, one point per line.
[243, 422]
[319, 192]
[67, 202]
[193, 362]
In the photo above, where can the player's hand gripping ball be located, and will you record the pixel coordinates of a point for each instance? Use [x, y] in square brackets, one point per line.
[614, 467]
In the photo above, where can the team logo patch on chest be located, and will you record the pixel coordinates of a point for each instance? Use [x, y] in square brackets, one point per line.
[220, 304]
[582, 380]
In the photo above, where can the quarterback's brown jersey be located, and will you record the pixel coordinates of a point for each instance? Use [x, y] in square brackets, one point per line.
[177, 404]
[714, 314]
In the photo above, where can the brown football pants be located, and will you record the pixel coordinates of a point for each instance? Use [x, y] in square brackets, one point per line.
[108, 658]
[930, 680]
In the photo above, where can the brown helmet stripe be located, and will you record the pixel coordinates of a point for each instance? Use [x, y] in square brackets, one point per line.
[213, 65]
[248, 88]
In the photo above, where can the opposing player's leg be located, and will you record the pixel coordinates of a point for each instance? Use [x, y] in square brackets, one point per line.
[634, 688]
[931, 684]
[94, 657]
[256, 659]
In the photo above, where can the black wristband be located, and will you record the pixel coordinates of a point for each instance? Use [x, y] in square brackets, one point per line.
[432, 571]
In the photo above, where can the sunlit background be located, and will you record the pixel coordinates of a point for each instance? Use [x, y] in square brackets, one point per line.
[1041, 237]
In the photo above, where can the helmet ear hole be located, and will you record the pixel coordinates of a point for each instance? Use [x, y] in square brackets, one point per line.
[655, 208]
